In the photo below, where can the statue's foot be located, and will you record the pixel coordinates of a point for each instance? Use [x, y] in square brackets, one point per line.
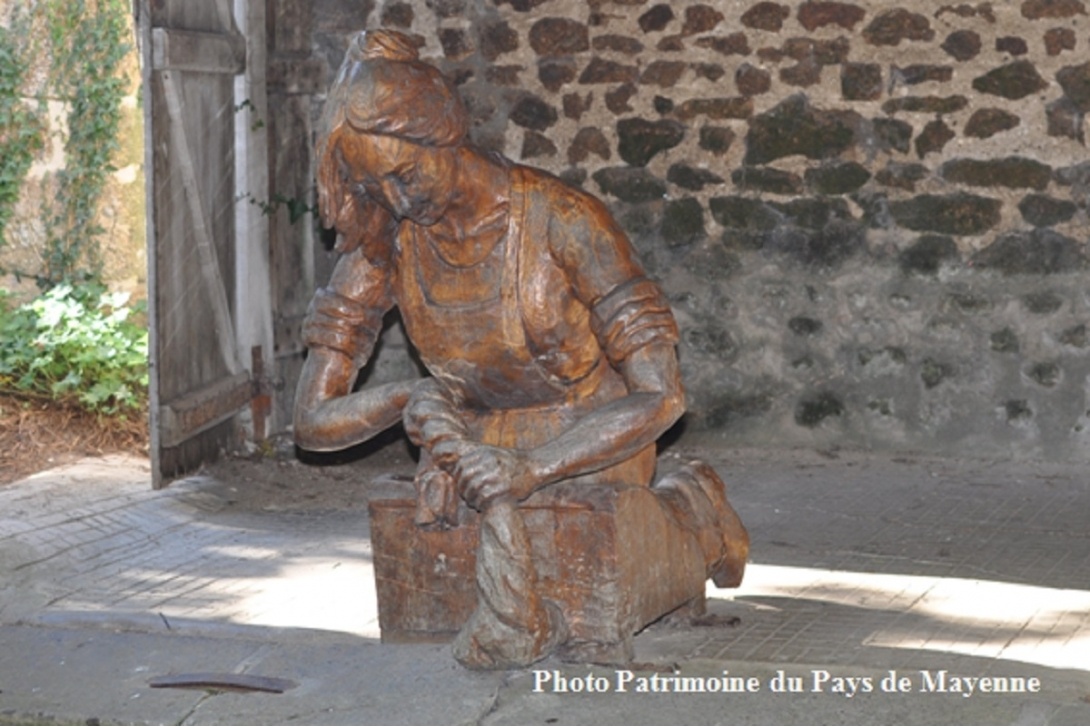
[727, 550]
[486, 642]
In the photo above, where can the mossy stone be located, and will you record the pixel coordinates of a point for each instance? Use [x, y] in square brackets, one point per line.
[537, 145]
[693, 178]
[1005, 341]
[927, 255]
[747, 240]
[655, 19]
[1010, 172]
[814, 14]
[933, 372]
[559, 37]
[893, 134]
[751, 80]
[533, 113]
[837, 178]
[555, 73]
[1017, 409]
[985, 123]
[793, 127]
[1065, 119]
[1077, 336]
[766, 16]
[639, 140]
[735, 407]
[630, 184]
[970, 302]
[575, 177]
[601, 70]
[861, 81]
[716, 139]
[712, 262]
[496, 38]
[934, 136]
[1037, 9]
[1013, 81]
[822, 249]
[766, 179]
[926, 104]
[683, 222]
[963, 45]
[918, 73]
[1043, 211]
[805, 326]
[883, 358]
[813, 213]
[711, 340]
[816, 408]
[1075, 81]
[1040, 252]
[1046, 373]
[726, 107]
[743, 213]
[890, 27]
[952, 214]
[881, 406]
[902, 176]
[1042, 302]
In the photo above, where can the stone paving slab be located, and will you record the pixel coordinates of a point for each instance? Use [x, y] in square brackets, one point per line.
[94, 543]
[861, 564]
[816, 703]
[82, 674]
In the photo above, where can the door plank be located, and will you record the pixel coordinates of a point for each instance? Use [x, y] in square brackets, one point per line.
[190, 50]
[198, 411]
[210, 268]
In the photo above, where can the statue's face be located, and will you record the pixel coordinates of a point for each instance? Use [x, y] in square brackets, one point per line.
[413, 182]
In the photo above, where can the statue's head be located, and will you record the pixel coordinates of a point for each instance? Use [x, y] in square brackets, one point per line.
[389, 129]
[384, 88]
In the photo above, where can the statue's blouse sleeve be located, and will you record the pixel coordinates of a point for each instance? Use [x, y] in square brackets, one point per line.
[346, 315]
[627, 310]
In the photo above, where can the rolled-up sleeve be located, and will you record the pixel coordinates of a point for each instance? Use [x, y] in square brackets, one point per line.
[633, 315]
[628, 310]
[346, 315]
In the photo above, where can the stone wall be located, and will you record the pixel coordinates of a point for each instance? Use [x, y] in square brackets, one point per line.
[871, 220]
[122, 246]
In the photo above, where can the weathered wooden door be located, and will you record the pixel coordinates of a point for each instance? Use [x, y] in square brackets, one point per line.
[209, 308]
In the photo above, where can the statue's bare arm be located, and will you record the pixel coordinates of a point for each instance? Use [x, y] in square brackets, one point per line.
[342, 327]
[619, 430]
[604, 437]
[328, 417]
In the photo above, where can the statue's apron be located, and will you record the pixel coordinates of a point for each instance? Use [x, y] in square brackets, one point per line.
[467, 325]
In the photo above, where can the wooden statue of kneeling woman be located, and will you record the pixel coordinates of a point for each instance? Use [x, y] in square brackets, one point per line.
[552, 355]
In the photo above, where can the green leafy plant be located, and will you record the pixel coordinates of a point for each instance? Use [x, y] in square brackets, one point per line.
[78, 344]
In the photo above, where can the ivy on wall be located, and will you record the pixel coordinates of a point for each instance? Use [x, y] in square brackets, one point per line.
[87, 42]
[20, 124]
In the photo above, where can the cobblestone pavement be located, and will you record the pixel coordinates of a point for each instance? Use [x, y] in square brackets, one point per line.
[861, 564]
[95, 539]
[855, 555]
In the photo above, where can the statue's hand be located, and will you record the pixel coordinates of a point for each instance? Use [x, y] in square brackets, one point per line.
[486, 474]
[432, 421]
[436, 498]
